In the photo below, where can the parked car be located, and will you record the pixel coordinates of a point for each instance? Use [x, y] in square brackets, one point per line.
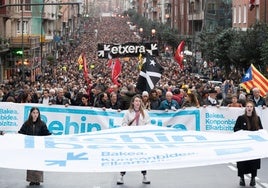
[215, 83]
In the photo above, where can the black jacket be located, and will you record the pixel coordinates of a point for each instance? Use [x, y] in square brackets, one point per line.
[34, 129]
[250, 166]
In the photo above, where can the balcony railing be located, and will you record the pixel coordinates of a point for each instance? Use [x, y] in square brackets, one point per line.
[4, 45]
[28, 41]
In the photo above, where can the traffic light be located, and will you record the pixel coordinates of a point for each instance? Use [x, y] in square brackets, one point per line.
[17, 52]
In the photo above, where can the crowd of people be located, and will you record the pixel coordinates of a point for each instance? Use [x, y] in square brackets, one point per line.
[64, 84]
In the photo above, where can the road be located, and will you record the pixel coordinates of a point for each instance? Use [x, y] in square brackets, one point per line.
[214, 176]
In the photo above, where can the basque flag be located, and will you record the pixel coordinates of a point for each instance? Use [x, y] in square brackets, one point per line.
[253, 78]
[150, 74]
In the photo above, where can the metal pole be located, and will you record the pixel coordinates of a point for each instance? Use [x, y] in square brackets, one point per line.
[22, 44]
[41, 40]
[192, 7]
[264, 11]
[193, 31]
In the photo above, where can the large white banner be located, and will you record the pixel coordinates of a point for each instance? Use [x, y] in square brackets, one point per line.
[75, 120]
[130, 149]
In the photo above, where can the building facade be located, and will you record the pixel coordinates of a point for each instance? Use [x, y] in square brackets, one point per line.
[33, 30]
[189, 17]
[245, 14]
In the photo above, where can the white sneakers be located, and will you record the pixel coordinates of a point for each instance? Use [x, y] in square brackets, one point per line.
[144, 180]
[120, 181]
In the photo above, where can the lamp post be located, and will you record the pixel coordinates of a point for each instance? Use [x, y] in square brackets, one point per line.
[167, 19]
[22, 43]
[153, 31]
[141, 34]
[192, 12]
[265, 11]
[41, 39]
[168, 14]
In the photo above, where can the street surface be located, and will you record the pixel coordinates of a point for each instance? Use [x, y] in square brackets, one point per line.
[214, 176]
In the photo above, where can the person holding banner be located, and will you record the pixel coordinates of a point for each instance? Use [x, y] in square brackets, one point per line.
[211, 100]
[169, 103]
[136, 115]
[34, 126]
[235, 102]
[257, 98]
[249, 121]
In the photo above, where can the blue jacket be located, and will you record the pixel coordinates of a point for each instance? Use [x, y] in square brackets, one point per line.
[167, 105]
[261, 102]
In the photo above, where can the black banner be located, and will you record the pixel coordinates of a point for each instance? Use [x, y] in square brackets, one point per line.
[127, 50]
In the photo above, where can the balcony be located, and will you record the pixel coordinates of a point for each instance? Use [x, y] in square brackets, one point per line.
[48, 16]
[4, 45]
[196, 16]
[28, 41]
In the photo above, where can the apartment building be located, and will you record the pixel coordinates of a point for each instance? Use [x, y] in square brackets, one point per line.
[246, 13]
[32, 30]
[188, 16]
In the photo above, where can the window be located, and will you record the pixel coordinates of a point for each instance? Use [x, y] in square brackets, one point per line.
[27, 8]
[257, 13]
[245, 14]
[20, 2]
[239, 14]
[25, 27]
[211, 8]
[234, 15]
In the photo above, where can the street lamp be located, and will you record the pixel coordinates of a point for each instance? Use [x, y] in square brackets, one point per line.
[192, 12]
[168, 14]
[22, 42]
[141, 33]
[153, 31]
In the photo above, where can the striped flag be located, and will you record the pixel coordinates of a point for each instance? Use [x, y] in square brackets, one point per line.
[253, 78]
[80, 59]
[150, 74]
[82, 64]
[140, 61]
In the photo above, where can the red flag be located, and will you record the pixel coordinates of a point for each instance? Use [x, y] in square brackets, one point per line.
[85, 70]
[179, 54]
[251, 4]
[253, 78]
[115, 65]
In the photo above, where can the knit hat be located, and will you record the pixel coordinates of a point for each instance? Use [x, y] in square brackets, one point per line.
[145, 93]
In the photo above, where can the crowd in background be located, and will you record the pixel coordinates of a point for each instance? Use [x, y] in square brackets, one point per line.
[63, 82]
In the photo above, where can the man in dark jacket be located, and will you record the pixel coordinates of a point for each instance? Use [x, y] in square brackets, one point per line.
[257, 99]
[126, 96]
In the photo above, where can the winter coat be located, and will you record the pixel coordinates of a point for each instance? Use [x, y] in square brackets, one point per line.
[250, 166]
[34, 129]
